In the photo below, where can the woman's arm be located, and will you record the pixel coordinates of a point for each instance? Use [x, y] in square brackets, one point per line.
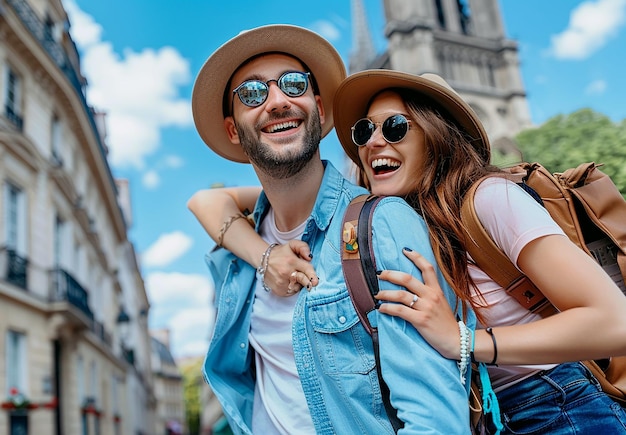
[591, 324]
[217, 209]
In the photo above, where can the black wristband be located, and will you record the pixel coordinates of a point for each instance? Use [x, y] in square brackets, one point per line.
[495, 347]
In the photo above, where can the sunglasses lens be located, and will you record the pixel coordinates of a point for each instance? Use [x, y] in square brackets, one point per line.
[395, 128]
[252, 93]
[362, 131]
[293, 84]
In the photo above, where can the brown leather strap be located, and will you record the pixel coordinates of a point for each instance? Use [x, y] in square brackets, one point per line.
[352, 270]
[359, 269]
[490, 258]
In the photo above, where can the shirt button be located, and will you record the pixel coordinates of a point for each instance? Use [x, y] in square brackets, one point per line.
[242, 345]
[342, 319]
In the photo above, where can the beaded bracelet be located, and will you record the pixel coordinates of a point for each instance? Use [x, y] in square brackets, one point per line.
[263, 266]
[465, 350]
[473, 343]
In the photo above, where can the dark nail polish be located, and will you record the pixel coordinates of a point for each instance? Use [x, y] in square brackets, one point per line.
[310, 255]
[407, 249]
[378, 272]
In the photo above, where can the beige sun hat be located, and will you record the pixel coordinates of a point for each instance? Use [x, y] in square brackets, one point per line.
[353, 97]
[315, 52]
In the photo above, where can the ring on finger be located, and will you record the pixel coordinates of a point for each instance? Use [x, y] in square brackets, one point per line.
[413, 301]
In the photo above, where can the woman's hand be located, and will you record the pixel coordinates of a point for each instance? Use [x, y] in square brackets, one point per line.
[423, 305]
[289, 269]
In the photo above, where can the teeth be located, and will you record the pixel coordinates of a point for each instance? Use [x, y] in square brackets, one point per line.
[385, 162]
[282, 126]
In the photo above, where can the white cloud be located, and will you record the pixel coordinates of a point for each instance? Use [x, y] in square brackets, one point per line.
[85, 31]
[173, 162]
[592, 24]
[190, 331]
[175, 288]
[167, 249]
[182, 303]
[596, 87]
[151, 180]
[326, 29]
[139, 91]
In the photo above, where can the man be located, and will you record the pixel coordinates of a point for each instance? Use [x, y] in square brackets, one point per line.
[305, 364]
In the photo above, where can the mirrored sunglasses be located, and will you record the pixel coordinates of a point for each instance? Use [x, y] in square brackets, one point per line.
[253, 93]
[393, 128]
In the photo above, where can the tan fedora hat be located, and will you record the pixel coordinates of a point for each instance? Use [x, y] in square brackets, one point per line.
[354, 94]
[315, 52]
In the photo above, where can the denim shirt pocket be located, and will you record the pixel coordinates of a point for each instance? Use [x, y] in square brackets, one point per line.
[342, 344]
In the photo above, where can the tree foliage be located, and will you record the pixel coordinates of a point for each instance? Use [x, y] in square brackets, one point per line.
[565, 141]
[192, 384]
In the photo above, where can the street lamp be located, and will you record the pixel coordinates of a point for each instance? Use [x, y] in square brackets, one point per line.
[123, 321]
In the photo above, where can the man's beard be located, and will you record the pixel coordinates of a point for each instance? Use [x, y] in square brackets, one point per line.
[281, 165]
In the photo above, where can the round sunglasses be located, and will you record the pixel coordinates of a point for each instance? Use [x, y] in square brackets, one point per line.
[253, 93]
[394, 129]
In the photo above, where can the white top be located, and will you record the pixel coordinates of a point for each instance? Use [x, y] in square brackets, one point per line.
[513, 219]
[279, 403]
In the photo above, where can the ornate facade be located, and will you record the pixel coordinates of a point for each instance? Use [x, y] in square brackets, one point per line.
[464, 41]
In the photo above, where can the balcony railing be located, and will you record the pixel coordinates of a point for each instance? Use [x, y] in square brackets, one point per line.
[14, 268]
[13, 117]
[17, 269]
[66, 289]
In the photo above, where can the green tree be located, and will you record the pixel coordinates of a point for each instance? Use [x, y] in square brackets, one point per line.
[192, 383]
[565, 141]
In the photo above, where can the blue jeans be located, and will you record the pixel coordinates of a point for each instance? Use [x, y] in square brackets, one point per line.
[564, 400]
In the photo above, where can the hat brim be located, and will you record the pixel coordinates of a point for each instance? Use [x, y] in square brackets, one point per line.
[355, 93]
[319, 55]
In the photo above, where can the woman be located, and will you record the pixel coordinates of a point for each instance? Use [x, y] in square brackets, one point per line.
[413, 136]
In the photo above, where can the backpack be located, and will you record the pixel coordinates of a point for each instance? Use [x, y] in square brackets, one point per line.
[589, 208]
[359, 269]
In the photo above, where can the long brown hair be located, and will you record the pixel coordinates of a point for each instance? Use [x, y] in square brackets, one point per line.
[451, 165]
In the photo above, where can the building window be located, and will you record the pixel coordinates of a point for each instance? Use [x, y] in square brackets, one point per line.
[15, 235]
[464, 15]
[16, 363]
[13, 97]
[56, 136]
[441, 16]
[14, 217]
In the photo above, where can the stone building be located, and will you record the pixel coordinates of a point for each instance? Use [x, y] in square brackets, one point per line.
[464, 41]
[168, 386]
[74, 341]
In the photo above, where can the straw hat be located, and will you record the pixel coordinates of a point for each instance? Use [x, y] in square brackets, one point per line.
[353, 97]
[319, 55]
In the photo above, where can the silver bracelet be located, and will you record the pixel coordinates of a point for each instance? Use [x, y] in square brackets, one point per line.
[263, 266]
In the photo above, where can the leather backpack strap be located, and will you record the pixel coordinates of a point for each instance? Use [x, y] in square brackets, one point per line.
[490, 258]
[359, 270]
[351, 263]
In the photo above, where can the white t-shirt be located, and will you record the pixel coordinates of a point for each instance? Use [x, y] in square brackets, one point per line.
[279, 403]
[513, 219]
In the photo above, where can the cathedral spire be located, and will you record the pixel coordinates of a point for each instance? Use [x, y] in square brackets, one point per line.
[364, 52]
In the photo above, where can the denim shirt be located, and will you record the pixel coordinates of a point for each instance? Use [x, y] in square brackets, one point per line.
[333, 352]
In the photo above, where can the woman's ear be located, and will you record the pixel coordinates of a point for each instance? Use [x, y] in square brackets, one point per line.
[231, 130]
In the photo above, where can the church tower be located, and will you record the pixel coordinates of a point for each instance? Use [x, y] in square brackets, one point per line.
[463, 41]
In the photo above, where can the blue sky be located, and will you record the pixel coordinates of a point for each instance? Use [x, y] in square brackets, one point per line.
[140, 58]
